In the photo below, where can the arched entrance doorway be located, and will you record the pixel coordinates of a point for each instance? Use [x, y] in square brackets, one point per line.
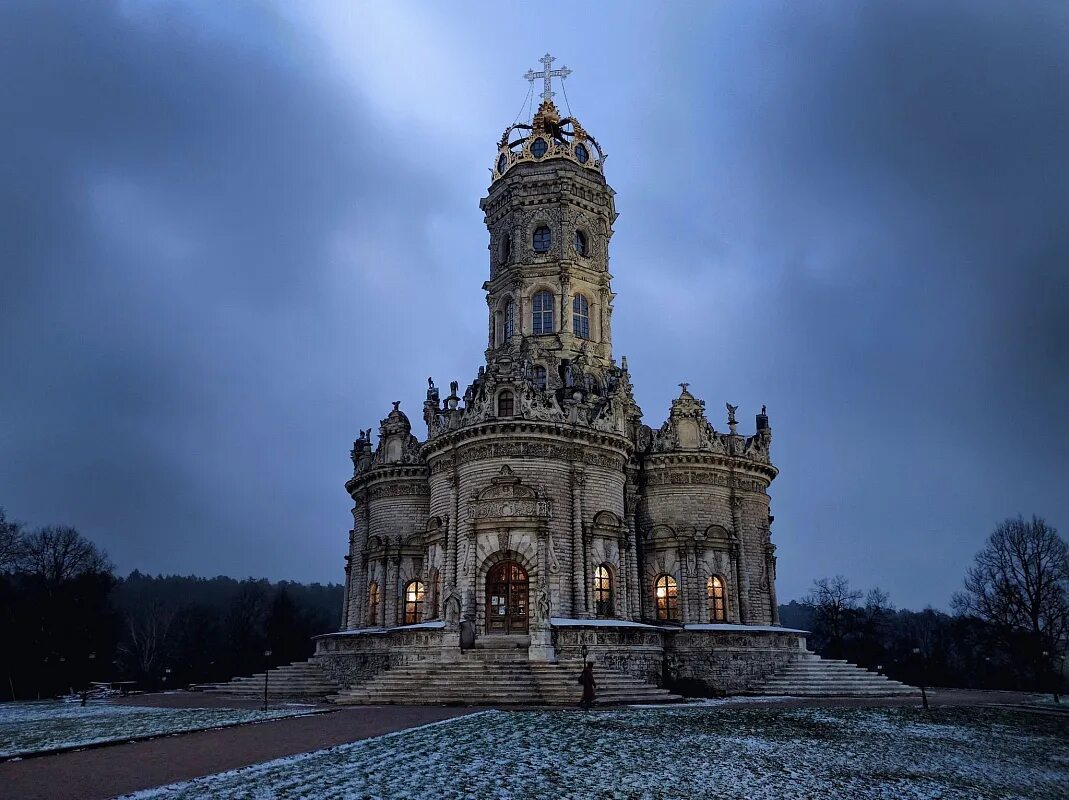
[506, 598]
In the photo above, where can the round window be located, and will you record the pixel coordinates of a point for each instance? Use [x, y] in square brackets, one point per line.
[581, 153]
[539, 147]
[502, 162]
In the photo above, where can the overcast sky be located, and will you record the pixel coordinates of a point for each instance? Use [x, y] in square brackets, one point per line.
[232, 233]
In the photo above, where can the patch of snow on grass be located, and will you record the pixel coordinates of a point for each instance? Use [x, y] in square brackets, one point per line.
[755, 752]
[27, 728]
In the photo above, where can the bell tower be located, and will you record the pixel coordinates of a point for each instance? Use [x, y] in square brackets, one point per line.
[549, 213]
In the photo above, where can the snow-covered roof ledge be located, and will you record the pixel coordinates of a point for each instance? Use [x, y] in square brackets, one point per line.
[724, 626]
[434, 625]
[565, 622]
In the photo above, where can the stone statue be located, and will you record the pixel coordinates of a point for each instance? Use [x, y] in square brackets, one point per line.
[432, 391]
[543, 603]
[732, 422]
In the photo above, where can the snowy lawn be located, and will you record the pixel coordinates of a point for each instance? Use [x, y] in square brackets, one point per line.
[677, 753]
[48, 725]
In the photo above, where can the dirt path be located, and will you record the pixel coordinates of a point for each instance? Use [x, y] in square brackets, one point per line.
[110, 771]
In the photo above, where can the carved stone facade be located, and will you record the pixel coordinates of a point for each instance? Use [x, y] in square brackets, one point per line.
[543, 469]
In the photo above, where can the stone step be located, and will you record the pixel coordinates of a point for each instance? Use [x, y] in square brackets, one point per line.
[812, 676]
[301, 679]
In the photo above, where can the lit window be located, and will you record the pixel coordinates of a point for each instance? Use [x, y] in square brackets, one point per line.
[505, 404]
[413, 602]
[580, 243]
[714, 591]
[510, 319]
[581, 317]
[538, 376]
[373, 604]
[666, 594]
[603, 605]
[541, 239]
[542, 313]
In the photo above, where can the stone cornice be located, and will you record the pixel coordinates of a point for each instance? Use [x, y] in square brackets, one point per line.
[386, 473]
[713, 461]
[521, 435]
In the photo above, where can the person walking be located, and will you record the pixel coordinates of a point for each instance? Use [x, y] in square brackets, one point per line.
[586, 680]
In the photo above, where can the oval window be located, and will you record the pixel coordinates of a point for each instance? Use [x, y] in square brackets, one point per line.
[582, 155]
[502, 162]
[539, 147]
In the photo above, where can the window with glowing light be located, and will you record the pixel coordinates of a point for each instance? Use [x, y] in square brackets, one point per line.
[414, 596]
[603, 599]
[373, 604]
[666, 594]
[714, 592]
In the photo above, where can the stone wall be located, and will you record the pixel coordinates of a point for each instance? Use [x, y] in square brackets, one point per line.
[354, 659]
[730, 661]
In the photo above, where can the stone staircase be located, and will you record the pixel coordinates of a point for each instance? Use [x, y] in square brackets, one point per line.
[813, 676]
[497, 677]
[302, 679]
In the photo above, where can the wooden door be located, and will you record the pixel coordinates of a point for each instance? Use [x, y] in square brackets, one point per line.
[506, 598]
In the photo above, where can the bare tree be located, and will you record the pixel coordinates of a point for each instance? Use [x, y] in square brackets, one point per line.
[148, 638]
[1020, 584]
[834, 606]
[58, 554]
[11, 543]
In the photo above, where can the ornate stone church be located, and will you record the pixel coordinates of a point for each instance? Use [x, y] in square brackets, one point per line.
[538, 514]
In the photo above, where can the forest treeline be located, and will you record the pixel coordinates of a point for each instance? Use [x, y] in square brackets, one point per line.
[66, 619]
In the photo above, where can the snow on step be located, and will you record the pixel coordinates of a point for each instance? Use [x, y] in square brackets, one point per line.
[300, 679]
[487, 681]
[813, 676]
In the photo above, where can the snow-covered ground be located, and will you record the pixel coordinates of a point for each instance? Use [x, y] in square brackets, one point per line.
[680, 752]
[48, 725]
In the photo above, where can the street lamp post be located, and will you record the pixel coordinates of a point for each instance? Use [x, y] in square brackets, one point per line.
[267, 669]
[920, 674]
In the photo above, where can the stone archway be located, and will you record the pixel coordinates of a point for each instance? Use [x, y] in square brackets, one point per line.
[507, 599]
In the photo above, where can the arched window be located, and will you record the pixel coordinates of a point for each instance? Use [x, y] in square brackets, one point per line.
[542, 313]
[414, 594]
[373, 604]
[538, 377]
[714, 592]
[541, 239]
[505, 404]
[581, 317]
[666, 593]
[603, 599]
[580, 243]
[510, 320]
[506, 249]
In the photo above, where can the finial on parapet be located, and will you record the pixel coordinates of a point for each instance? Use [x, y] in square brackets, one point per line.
[684, 387]
[732, 422]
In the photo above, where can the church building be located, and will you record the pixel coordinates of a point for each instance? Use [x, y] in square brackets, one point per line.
[534, 512]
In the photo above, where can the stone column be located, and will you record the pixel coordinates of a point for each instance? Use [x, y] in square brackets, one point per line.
[541, 647]
[349, 587]
[392, 591]
[770, 566]
[578, 567]
[637, 592]
[685, 593]
[358, 563]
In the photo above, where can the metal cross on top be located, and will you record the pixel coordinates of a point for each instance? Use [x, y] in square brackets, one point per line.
[547, 75]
